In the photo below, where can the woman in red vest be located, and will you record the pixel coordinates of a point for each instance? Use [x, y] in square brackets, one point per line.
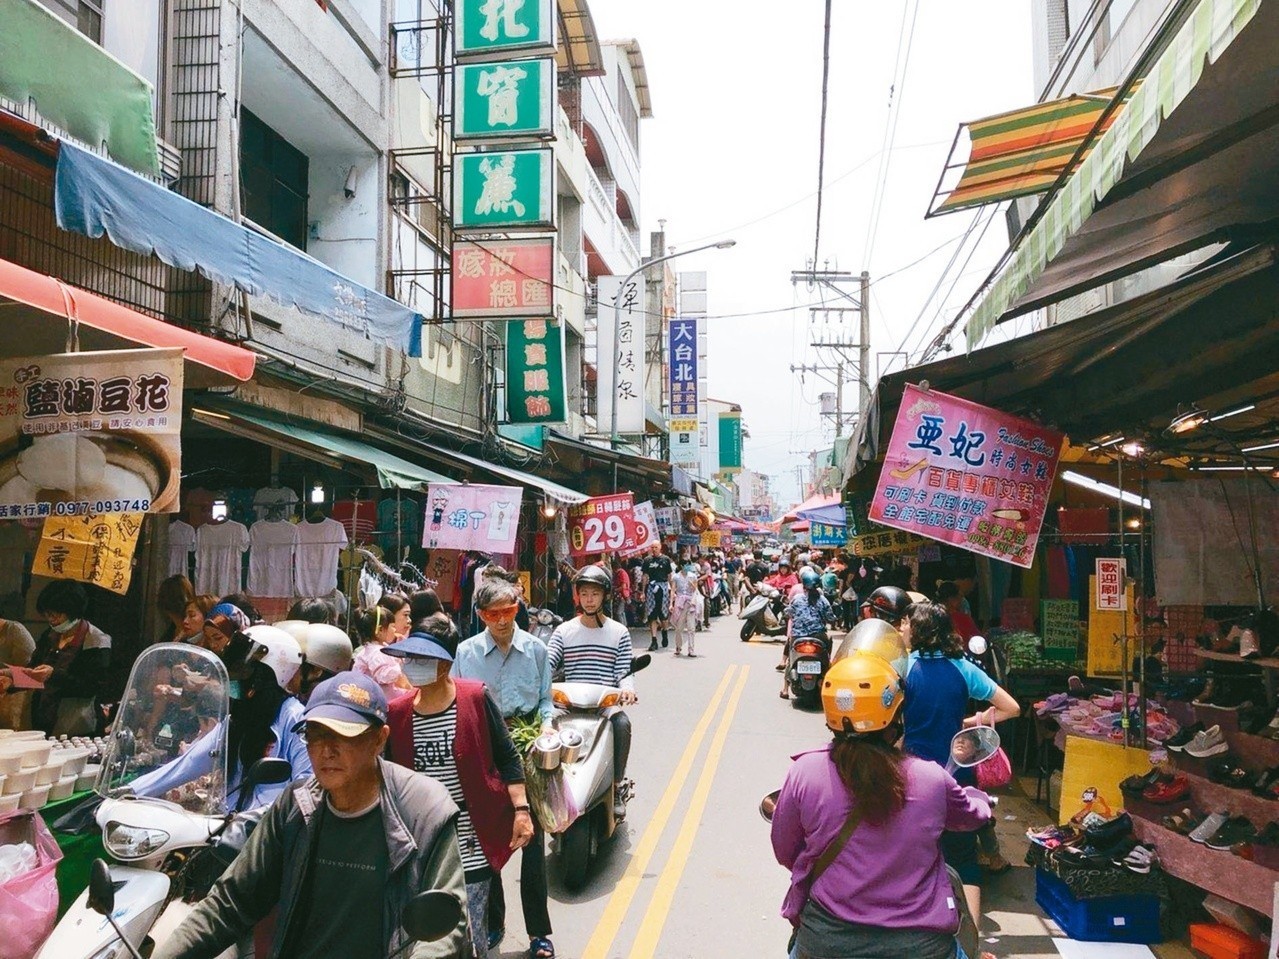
[452, 730]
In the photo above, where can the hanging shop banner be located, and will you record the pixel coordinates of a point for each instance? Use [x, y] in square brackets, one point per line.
[730, 442]
[711, 539]
[647, 534]
[504, 100]
[887, 543]
[511, 188]
[535, 388]
[495, 27]
[667, 520]
[604, 524]
[620, 336]
[685, 435]
[967, 475]
[1109, 581]
[503, 279]
[1105, 636]
[94, 548]
[93, 432]
[824, 534]
[1059, 627]
[465, 516]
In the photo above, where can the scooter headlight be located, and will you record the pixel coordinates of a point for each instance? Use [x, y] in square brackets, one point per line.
[133, 842]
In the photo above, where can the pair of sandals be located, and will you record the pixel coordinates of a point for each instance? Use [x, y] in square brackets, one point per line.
[539, 947]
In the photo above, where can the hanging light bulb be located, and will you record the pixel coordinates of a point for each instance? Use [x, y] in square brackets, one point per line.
[549, 510]
[317, 494]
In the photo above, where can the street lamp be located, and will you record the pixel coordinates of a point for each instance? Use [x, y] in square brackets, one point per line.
[617, 319]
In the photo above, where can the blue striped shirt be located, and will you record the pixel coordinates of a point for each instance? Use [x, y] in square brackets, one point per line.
[591, 654]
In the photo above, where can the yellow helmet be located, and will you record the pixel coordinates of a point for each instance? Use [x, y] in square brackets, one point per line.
[861, 694]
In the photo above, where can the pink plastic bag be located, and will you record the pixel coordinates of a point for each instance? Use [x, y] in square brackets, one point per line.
[28, 903]
[995, 772]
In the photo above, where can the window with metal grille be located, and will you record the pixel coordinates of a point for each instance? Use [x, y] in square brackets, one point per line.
[627, 112]
[89, 19]
[1058, 27]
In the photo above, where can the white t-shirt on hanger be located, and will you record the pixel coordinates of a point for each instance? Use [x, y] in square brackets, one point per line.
[315, 560]
[219, 550]
[274, 503]
[181, 543]
[271, 548]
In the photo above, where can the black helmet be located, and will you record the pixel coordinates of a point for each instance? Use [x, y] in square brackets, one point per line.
[809, 579]
[593, 576]
[887, 603]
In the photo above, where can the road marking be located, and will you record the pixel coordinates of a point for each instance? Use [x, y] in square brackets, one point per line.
[619, 903]
[659, 908]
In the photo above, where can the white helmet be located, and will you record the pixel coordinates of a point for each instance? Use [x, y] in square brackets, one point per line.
[283, 653]
[327, 647]
[296, 628]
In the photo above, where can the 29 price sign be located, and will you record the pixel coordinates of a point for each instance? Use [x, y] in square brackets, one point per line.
[605, 524]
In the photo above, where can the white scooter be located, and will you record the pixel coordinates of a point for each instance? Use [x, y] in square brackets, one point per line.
[764, 614]
[588, 772]
[167, 852]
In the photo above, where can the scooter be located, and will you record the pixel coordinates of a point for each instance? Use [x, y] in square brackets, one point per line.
[588, 772]
[806, 664]
[763, 614]
[542, 623]
[168, 852]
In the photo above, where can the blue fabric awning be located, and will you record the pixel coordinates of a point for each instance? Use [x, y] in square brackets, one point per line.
[94, 196]
[832, 515]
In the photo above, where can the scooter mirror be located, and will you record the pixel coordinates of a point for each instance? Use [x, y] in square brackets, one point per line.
[268, 771]
[768, 804]
[970, 747]
[431, 915]
[639, 662]
[977, 645]
[101, 889]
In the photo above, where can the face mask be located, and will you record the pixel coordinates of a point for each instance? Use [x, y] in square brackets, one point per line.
[64, 628]
[421, 672]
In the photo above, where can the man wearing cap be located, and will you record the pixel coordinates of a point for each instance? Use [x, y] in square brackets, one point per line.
[340, 854]
[513, 665]
[453, 731]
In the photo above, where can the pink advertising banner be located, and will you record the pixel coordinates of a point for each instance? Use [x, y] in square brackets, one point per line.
[967, 475]
[503, 279]
[481, 518]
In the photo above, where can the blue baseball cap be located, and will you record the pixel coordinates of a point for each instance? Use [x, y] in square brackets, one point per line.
[349, 703]
[419, 644]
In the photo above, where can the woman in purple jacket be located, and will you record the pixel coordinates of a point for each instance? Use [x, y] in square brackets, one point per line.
[886, 893]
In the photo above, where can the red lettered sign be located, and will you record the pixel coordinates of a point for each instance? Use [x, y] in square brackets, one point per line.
[605, 524]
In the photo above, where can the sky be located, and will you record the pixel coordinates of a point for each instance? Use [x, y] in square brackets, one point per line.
[731, 152]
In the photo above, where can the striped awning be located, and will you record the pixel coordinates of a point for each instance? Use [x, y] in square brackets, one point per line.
[1021, 152]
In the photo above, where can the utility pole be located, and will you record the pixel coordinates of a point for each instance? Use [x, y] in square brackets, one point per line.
[835, 282]
[838, 370]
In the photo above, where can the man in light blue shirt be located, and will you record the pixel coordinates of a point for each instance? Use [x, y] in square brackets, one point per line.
[514, 665]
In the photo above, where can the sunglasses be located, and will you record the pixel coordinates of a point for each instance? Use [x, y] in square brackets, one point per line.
[499, 614]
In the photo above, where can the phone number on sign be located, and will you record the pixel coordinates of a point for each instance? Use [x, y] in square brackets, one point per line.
[82, 508]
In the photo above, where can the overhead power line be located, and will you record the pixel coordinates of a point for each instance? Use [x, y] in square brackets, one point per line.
[821, 136]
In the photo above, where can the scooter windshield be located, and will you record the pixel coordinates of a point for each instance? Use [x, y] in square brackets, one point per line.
[174, 710]
[878, 638]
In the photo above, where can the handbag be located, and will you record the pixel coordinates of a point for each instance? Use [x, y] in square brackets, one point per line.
[849, 595]
[828, 856]
[995, 772]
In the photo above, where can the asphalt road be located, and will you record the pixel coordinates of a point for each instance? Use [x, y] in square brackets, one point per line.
[690, 873]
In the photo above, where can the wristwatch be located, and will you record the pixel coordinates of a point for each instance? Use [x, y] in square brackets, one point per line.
[523, 807]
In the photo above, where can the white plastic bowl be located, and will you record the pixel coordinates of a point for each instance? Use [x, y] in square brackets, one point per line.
[34, 752]
[49, 773]
[73, 760]
[86, 778]
[10, 762]
[34, 798]
[62, 789]
[19, 782]
[9, 802]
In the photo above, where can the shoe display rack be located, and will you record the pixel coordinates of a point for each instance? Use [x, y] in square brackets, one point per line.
[1247, 882]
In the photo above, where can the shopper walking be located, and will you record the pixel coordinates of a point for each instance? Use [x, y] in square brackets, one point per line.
[658, 570]
[513, 665]
[684, 603]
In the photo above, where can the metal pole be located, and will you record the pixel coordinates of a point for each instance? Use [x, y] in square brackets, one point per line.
[839, 398]
[863, 348]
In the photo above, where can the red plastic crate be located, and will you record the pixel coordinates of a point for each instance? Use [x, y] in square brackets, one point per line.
[1218, 941]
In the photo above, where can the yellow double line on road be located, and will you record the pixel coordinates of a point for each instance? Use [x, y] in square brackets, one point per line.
[619, 903]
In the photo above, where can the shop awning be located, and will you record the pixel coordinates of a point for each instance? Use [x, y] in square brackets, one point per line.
[561, 494]
[33, 308]
[579, 50]
[312, 442]
[76, 85]
[1019, 152]
[816, 501]
[1190, 161]
[656, 472]
[1211, 340]
[94, 197]
[831, 515]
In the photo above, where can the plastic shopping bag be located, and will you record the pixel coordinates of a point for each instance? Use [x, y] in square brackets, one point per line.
[560, 810]
[29, 901]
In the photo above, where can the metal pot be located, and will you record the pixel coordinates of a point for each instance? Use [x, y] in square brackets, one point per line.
[546, 751]
[571, 741]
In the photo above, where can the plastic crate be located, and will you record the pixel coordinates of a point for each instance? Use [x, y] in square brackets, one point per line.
[1106, 919]
[1219, 941]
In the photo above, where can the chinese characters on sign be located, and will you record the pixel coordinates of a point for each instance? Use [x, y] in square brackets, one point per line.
[621, 361]
[682, 387]
[494, 26]
[535, 389]
[1110, 585]
[94, 432]
[730, 443]
[503, 279]
[1059, 626]
[481, 518]
[887, 543]
[510, 188]
[514, 99]
[825, 534]
[967, 475]
[646, 532]
[604, 524]
[92, 548]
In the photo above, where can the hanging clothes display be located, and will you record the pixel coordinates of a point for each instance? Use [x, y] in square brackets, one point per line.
[199, 506]
[219, 553]
[358, 517]
[315, 560]
[271, 546]
[181, 545]
[399, 524]
[274, 503]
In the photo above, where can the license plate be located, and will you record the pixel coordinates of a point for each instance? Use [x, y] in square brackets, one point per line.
[808, 668]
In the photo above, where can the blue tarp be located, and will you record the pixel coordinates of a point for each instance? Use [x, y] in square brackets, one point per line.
[94, 196]
[832, 515]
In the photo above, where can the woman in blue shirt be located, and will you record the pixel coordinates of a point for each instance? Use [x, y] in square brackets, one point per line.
[939, 684]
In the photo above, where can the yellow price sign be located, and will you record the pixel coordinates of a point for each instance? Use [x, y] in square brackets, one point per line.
[93, 548]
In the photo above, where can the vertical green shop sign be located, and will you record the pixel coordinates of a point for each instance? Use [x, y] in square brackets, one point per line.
[535, 388]
[515, 98]
[503, 188]
[495, 26]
